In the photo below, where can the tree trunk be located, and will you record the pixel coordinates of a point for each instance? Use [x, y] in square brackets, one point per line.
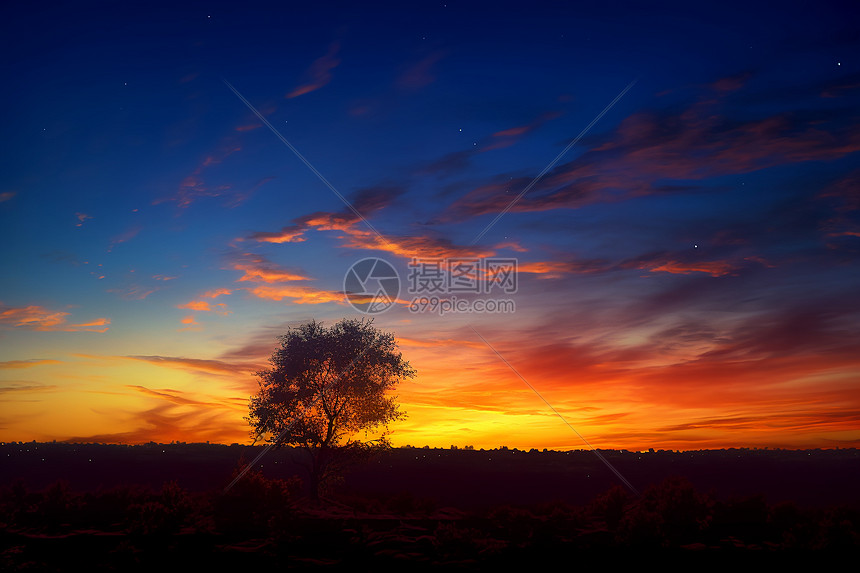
[316, 475]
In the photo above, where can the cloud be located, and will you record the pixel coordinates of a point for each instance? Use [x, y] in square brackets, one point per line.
[732, 83]
[288, 234]
[686, 263]
[356, 235]
[844, 86]
[171, 421]
[366, 201]
[173, 396]
[216, 293]
[27, 363]
[258, 269]
[649, 148]
[217, 367]
[125, 236]
[298, 294]
[273, 282]
[25, 388]
[6, 196]
[194, 187]
[508, 137]
[35, 317]
[201, 305]
[420, 74]
[82, 218]
[97, 322]
[133, 292]
[556, 269]
[238, 197]
[319, 73]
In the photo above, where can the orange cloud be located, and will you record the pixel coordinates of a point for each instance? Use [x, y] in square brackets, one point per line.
[512, 245]
[554, 269]
[196, 305]
[299, 294]
[188, 320]
[507, 137]
[216, 293]
[36, 317]
[7, 196]
[319, 73]
[27, 363]
[713, 268]
[173, 421]
[258, 269]
[289, 234]
[218, 367]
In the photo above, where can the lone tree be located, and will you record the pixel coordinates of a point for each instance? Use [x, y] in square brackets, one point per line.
[328, 392]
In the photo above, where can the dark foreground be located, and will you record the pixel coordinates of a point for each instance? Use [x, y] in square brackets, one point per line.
[402, 510]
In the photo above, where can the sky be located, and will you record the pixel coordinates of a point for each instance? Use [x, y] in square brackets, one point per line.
[687, 269]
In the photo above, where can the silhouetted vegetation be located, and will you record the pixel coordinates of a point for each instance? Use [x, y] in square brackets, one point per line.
[268, 520]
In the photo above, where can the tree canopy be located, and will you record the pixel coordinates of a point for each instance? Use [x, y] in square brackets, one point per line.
[328, 390]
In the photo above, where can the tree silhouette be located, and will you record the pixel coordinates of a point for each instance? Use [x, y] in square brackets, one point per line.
[328, 392]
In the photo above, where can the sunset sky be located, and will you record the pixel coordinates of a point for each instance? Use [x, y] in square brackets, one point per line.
[689, 271]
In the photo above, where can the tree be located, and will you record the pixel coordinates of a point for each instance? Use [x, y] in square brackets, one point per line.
[328, 391]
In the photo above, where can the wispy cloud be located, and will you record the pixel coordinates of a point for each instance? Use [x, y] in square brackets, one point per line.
[194, 186]
[26, 388]
[216, 293]
[133, 292]
[35, 317]
[218, 367]
[82, 218]
[258, 269]
[27, 363]
[421, 73]
[690, 143]
[297, 294]
[369, 201]
[201, 305]
[319, 73]
[125, 236]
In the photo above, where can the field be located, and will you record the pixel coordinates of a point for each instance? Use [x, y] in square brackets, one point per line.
[122, 508]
